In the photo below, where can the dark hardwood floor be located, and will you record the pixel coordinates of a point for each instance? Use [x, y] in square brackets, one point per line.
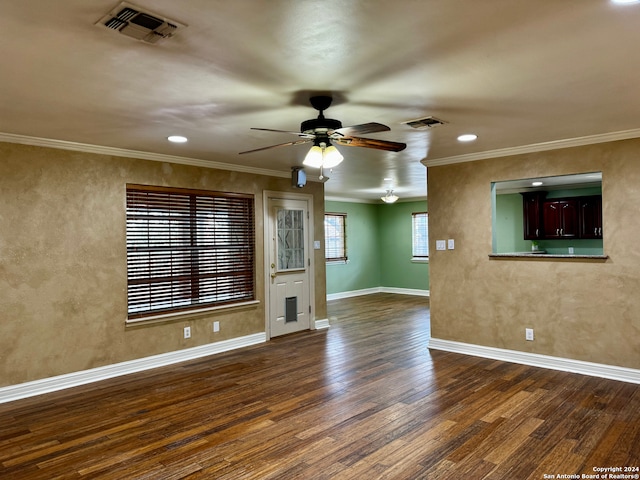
[363, 400]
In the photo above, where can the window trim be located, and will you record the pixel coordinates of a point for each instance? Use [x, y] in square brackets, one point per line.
[418, 258]
[340, 259]
[190, 205]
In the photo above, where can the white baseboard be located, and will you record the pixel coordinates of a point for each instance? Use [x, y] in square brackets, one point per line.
[352, 293]
[369, 291]
[60, 382]
[611, 372]
[405, 291]
[320, 324]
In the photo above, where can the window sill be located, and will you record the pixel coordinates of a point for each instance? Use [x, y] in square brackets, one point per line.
[169, 317]
[337, 262]
[419, 259]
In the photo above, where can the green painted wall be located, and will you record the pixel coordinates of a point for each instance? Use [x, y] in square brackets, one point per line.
[362, 269]
[398, 270]
[378, 248]
[508, 223]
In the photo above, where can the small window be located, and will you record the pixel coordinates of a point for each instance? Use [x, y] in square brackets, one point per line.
[188, 249]
[420, 236]
[335, 238]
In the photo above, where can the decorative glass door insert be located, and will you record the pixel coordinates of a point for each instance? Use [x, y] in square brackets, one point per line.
[290, 244]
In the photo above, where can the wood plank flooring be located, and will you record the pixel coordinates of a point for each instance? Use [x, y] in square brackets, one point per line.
[363, 400]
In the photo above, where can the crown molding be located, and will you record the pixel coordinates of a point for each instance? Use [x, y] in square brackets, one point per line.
[122, 152]
[332, 198]
[534, 147]
[373, 201]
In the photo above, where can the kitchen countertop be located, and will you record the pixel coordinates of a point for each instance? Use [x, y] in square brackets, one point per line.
[529, 255]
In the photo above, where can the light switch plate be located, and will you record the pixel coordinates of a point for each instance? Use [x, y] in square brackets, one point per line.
[441, 245]
[316, 244]
[450, 244]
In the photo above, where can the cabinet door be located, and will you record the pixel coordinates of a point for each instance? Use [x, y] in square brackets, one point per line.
[532, 215]
[569, 219]
[591, 217]
[552, 221]
[560, 218]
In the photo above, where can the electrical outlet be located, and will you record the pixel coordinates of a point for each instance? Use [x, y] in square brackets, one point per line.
[216, 326]
[528, 334]
[187, 332]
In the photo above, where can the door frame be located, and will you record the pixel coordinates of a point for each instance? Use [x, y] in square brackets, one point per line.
[268, 195]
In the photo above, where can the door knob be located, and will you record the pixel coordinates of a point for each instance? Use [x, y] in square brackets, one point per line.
[273, 275]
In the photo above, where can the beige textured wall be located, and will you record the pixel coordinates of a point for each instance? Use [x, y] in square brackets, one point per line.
[583, 310]
[63, 261]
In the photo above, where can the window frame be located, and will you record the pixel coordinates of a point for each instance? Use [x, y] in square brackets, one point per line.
[188, 250]
[416, 245]
[341, 236]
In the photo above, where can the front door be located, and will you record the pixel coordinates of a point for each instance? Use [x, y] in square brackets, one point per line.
[289, 263]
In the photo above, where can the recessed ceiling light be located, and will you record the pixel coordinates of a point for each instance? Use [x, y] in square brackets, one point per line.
[177, 139]
[536, 184]
[467, 137]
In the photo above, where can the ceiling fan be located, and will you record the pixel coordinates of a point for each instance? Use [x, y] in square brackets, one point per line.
[322, 131]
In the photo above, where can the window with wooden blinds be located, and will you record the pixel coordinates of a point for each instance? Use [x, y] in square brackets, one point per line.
[188, 249]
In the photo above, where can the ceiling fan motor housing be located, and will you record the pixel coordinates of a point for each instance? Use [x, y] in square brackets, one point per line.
[320, 125]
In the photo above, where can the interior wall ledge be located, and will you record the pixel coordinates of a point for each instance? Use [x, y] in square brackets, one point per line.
[610, 372]
[69, 380]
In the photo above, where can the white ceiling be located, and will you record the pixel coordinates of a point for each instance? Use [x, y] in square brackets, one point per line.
[515, 72]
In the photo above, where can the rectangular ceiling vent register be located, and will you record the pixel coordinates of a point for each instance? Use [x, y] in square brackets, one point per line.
[424, 123]
[139, 24]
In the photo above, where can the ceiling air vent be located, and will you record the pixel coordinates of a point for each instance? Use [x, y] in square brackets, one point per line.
[424, 123]
[140, 24]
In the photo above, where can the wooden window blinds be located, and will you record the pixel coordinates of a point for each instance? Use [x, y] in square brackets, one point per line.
[188, 249]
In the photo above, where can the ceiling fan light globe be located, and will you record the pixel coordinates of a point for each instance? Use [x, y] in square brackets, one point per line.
[389, 197]
[331, 157]
[314, 157]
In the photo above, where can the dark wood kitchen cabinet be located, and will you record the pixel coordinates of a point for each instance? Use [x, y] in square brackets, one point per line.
[532, 215]
[560, 218]
[591, 217]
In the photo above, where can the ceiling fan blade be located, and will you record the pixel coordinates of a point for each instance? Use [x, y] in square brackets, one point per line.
[305, 135]
[297, 142]
[371, 143]
[361, 129]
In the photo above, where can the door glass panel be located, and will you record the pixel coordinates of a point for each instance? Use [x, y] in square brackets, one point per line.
[290, 245]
